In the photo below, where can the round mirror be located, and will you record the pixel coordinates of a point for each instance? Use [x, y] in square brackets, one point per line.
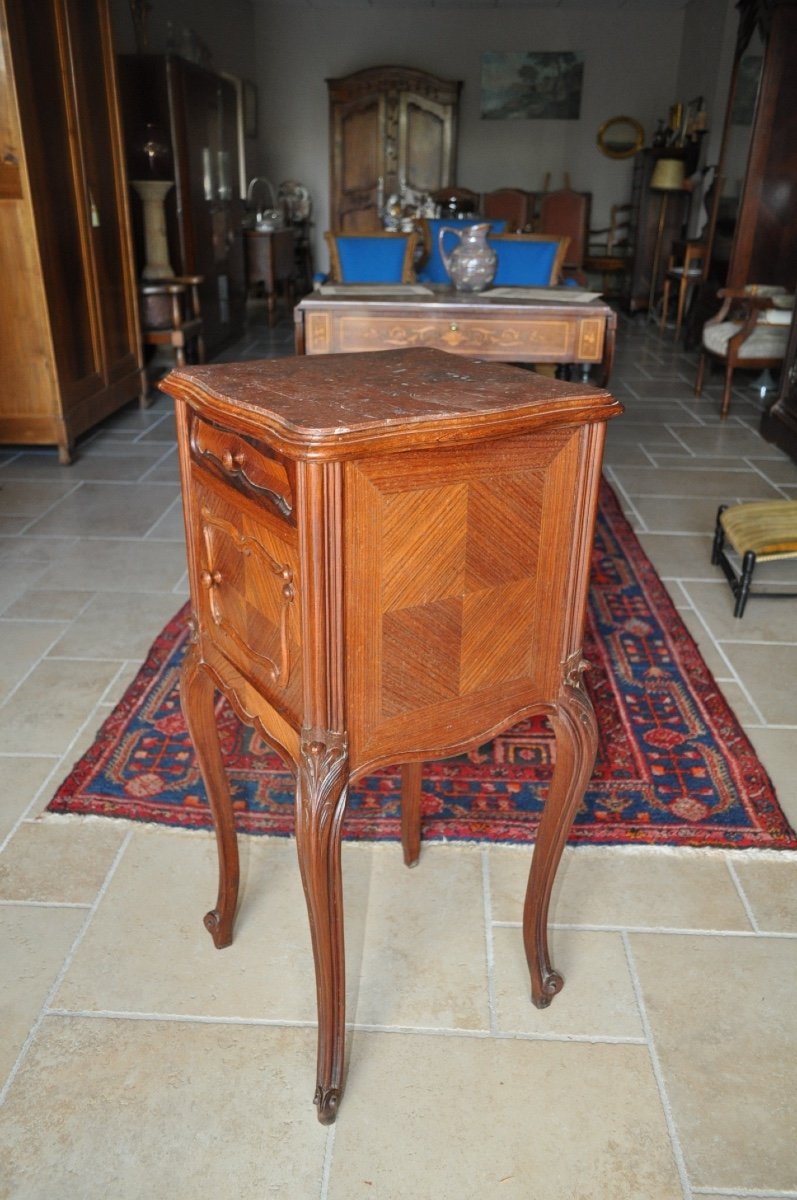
[620, 137]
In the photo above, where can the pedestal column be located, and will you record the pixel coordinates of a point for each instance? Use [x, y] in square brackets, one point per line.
[153, 192]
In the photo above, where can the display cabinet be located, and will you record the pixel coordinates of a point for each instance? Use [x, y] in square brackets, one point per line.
[181, 125]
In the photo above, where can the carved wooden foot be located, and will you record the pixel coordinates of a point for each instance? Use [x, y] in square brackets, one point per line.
[321, 794]
[576, 733]
[411, 777]
[197, 695]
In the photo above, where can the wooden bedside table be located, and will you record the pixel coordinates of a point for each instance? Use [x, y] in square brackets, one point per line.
[389, 557]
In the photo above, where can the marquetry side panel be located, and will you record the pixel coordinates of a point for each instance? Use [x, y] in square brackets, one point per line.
[458, 588]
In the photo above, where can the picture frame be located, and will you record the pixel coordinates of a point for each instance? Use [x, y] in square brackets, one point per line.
[530, 85]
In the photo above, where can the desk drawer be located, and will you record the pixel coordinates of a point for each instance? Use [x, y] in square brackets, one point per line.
[239, 461]
[569, 338]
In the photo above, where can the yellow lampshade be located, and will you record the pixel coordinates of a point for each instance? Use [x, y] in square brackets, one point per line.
[668, 175]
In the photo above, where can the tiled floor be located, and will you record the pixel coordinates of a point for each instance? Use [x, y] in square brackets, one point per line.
[137, 1061]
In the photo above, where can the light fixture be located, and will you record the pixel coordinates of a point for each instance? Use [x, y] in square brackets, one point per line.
[668, 176]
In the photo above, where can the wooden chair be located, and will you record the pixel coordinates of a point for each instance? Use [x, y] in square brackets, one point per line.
[512, 205]
[685, 267]
[171, 316]
[565, 213]
[528, 259]
[609, 250]
[751, 330]
[371, 257]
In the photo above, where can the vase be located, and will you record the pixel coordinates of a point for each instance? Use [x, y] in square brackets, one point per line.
[472, 263]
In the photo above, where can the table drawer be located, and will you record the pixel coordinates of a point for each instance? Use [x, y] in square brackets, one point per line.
[538, 339]
[237, 460]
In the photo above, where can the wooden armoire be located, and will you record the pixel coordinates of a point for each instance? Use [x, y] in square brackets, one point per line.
[181, 123]
[389, 128]
[69, 343]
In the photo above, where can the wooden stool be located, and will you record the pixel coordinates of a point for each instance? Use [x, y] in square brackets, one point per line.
[762, 531]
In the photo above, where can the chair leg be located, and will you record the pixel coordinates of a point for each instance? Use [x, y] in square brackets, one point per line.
[665, 300]
[701, 369]
[682, 290]
[745, 579]
[719, 536]
[725, 408]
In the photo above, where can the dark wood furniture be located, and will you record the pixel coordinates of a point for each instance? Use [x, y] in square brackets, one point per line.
[779, 422]
[610, 253]
[512, 205]
[270, 266]
[181, 123]
[69, 351]
[171, 315]
[566, 213]
[389, 558]
[502, 329]
[389, 128]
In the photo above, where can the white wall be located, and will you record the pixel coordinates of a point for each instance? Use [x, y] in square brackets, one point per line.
[631, 67]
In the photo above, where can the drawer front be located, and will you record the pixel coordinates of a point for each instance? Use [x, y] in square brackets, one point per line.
[519, 339]
[250, 468]
[247, 593]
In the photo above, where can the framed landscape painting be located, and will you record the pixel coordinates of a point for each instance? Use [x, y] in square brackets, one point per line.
[528, 85]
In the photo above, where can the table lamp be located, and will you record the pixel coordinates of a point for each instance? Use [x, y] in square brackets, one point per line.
[668, 176]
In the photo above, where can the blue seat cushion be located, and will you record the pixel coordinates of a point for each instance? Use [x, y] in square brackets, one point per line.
[433, 270]
[523, 264]
[366, 259]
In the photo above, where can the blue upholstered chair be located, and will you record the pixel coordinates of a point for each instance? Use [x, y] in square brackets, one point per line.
[371, 257]
[432, 269]
[528, 260]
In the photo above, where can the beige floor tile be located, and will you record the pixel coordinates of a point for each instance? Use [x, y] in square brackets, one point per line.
[16, 576]
[597, 999]
[734, 441]
[24, 643]
[116, 565]
[776, 748]
[619, 887]
[20, 780]
[40, 605]
[132, 1109]
[768, 672]
[680, 514]
[771, 888]
[711, 655]
[700, 481]
[472, 1118]
[765, 619]
[20, 497]
[154, 955]
[108, 509]
[49, 707]
[682, 556]
[724, 1024]
[743, 709]
[33, 945]
[432, 913]
[114, 626]
[135, 462]
[62, 862]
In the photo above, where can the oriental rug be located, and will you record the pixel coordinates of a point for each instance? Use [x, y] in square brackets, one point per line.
[674, 767]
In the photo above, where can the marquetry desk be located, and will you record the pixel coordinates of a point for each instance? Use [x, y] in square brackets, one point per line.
[507, 326]
[388, 559]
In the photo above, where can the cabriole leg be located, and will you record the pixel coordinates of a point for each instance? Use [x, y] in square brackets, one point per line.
[321, 793]
[197, 698]
[411, 779]
[576, 732]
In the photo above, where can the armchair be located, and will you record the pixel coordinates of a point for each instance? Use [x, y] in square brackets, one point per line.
[684, 267]
[528, 260]
[751, 329]
[609, 250]
[372, 257]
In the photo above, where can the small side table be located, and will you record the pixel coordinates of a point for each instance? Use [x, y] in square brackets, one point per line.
[270, 261]
[388, 557]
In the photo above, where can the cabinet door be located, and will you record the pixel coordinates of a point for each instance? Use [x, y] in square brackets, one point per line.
[362, 155]
[104, 187]
[426, 143]
[204, 122]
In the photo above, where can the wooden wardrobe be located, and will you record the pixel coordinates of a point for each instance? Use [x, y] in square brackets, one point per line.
[388, 127]
[69, 343]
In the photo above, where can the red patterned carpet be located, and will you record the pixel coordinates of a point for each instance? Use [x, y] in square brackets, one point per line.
[674, 766]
